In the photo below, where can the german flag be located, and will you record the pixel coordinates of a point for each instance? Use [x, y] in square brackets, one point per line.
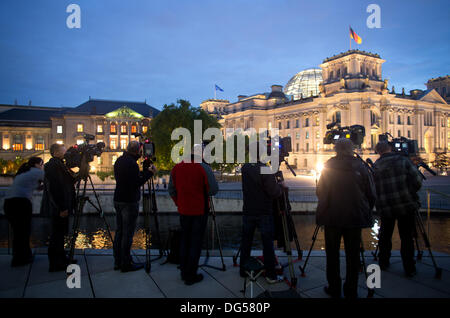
[355, 36]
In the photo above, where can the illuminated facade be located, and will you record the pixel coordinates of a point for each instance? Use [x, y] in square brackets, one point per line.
[29, 130]
[352, 92]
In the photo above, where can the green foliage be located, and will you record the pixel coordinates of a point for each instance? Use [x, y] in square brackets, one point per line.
[441, 161]
[171, 117]
[105, 174]
[11, 166]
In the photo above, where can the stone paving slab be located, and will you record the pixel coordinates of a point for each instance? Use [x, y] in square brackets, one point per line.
[100, 280]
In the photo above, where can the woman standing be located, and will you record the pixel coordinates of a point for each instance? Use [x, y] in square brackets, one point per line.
[18, 208]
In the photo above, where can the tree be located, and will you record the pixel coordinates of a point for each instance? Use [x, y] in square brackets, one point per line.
[441, 161]
[171, 117]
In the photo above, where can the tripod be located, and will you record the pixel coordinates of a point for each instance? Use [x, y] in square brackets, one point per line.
[81, 200]
[284, 209]
[370, 291]
[214, 229]
[149, 208]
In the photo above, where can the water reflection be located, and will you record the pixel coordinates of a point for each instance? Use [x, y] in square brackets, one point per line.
[94, 236]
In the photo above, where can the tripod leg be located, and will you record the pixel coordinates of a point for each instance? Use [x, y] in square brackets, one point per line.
[154, 209]
[438, 270]
[235, 257]
[80, 201]
[218, 240]
[293, 283]
[370, 291]
[100, 210]
[294, 234]
[316, 231]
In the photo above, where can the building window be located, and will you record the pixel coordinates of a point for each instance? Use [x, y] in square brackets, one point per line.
[305, 162]
[336, 117]
[114, 158]
[99, 129]
[297, 136]
[338, 73]
[373, 118]
[399, 120]
[99, 160]
[399, 133]
[144, 128]
[113, 128]
[288, 124]
[17, 147]
[409, 120]
[295, 163]
[296, 123]
[306, 122]
[134, 129]
[317, 134]
[317, 120]
[17, 143]
[59, 142]
[391, 119]
[297, 147]
[123, 143]
[59, 129]
[113, 144]
[448, 122]
[428, 120]
[279, 126]
[307, 146]
[331, 75]
[123, 129]
[409, 134]
[80, 141]
[80, 127]
[39, 145]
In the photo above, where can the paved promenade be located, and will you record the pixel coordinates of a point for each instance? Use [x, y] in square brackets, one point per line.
[98, 279]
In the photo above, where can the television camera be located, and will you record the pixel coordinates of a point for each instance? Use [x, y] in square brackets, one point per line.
[355, 133]
[80, 155]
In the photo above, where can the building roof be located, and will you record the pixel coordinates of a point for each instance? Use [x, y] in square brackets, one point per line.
[102, 107]
[349, 52]
[28, 115]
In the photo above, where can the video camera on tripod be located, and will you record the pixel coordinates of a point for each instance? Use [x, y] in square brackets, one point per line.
[148, 150]
[81, 155]
[355, 133]
[408, 148]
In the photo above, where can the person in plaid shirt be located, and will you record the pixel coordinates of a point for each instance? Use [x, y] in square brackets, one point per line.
[397, 181]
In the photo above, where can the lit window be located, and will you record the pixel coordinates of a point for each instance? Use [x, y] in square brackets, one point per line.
[297, 136]
[133, 129]
[99, 128]
[317, 134]
[114, 158]
[123, 144]
[144, 129]
[317, 120]
[448, 122]
[39, 145]
[99, 160]
[113, 128]
[123, 129]
[80, 127]
[59, 142]
[99, 140]
[59, 129]
[80, 141]
[307, 135]
[113, 144]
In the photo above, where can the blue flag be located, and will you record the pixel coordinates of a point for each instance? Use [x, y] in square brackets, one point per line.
[218, 88]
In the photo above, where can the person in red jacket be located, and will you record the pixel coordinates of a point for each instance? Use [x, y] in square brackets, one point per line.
[190, 185]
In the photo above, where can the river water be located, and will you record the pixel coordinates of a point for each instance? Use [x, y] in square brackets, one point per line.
[93, 232]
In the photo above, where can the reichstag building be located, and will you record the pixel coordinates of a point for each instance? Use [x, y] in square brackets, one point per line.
[349, 89]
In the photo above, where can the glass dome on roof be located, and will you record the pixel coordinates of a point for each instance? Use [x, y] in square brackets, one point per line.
[305, 83]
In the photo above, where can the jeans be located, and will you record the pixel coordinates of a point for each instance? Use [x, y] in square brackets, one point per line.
[192, 232]
[266, 226]
[406, 231]
[352, 244]
[126, 217]
[18, 212]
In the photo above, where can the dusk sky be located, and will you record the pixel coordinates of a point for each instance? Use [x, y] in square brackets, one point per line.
[162, 51]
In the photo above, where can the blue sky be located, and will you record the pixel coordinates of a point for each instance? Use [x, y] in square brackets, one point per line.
[165, 50]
